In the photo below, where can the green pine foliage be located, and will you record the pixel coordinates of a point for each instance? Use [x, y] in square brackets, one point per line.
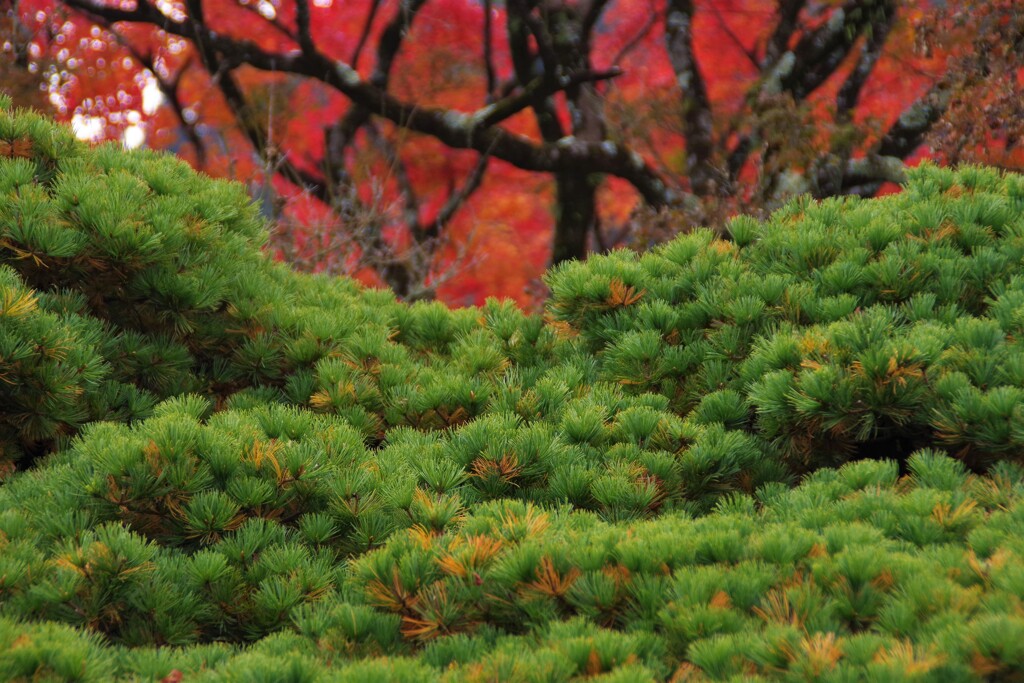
[836, 329]
[857, 574]
[792, 454]
[53, 379]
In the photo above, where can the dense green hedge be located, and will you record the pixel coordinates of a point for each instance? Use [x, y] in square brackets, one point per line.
[856, 574]
[793, 454]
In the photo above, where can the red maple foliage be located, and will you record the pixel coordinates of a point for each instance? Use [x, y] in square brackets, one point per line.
[732, 105]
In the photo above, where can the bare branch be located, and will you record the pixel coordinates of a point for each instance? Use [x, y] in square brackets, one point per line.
[169, 88]
[538, 89]
[170, 91]
[735, 39]
[634, 42]
[455, 200]
[234, 96]
[275, 22]
[412, 207]
[340, 136]
[492, 78]
[365, 35]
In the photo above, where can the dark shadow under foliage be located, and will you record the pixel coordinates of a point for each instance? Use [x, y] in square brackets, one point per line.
[790, 454]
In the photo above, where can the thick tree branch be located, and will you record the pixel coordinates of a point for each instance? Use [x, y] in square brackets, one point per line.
[909, 130]
[530, 66]
[788, 12]
[539, 29]
[492, 78]
[304, 37]
[573, 47]
[697, 117]
[738, 156]
[875, 168]
[903, 137]
[818, 54]
[537, 89]
[571, 28]
[862, 176]
[390, 40]
[519, 41]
